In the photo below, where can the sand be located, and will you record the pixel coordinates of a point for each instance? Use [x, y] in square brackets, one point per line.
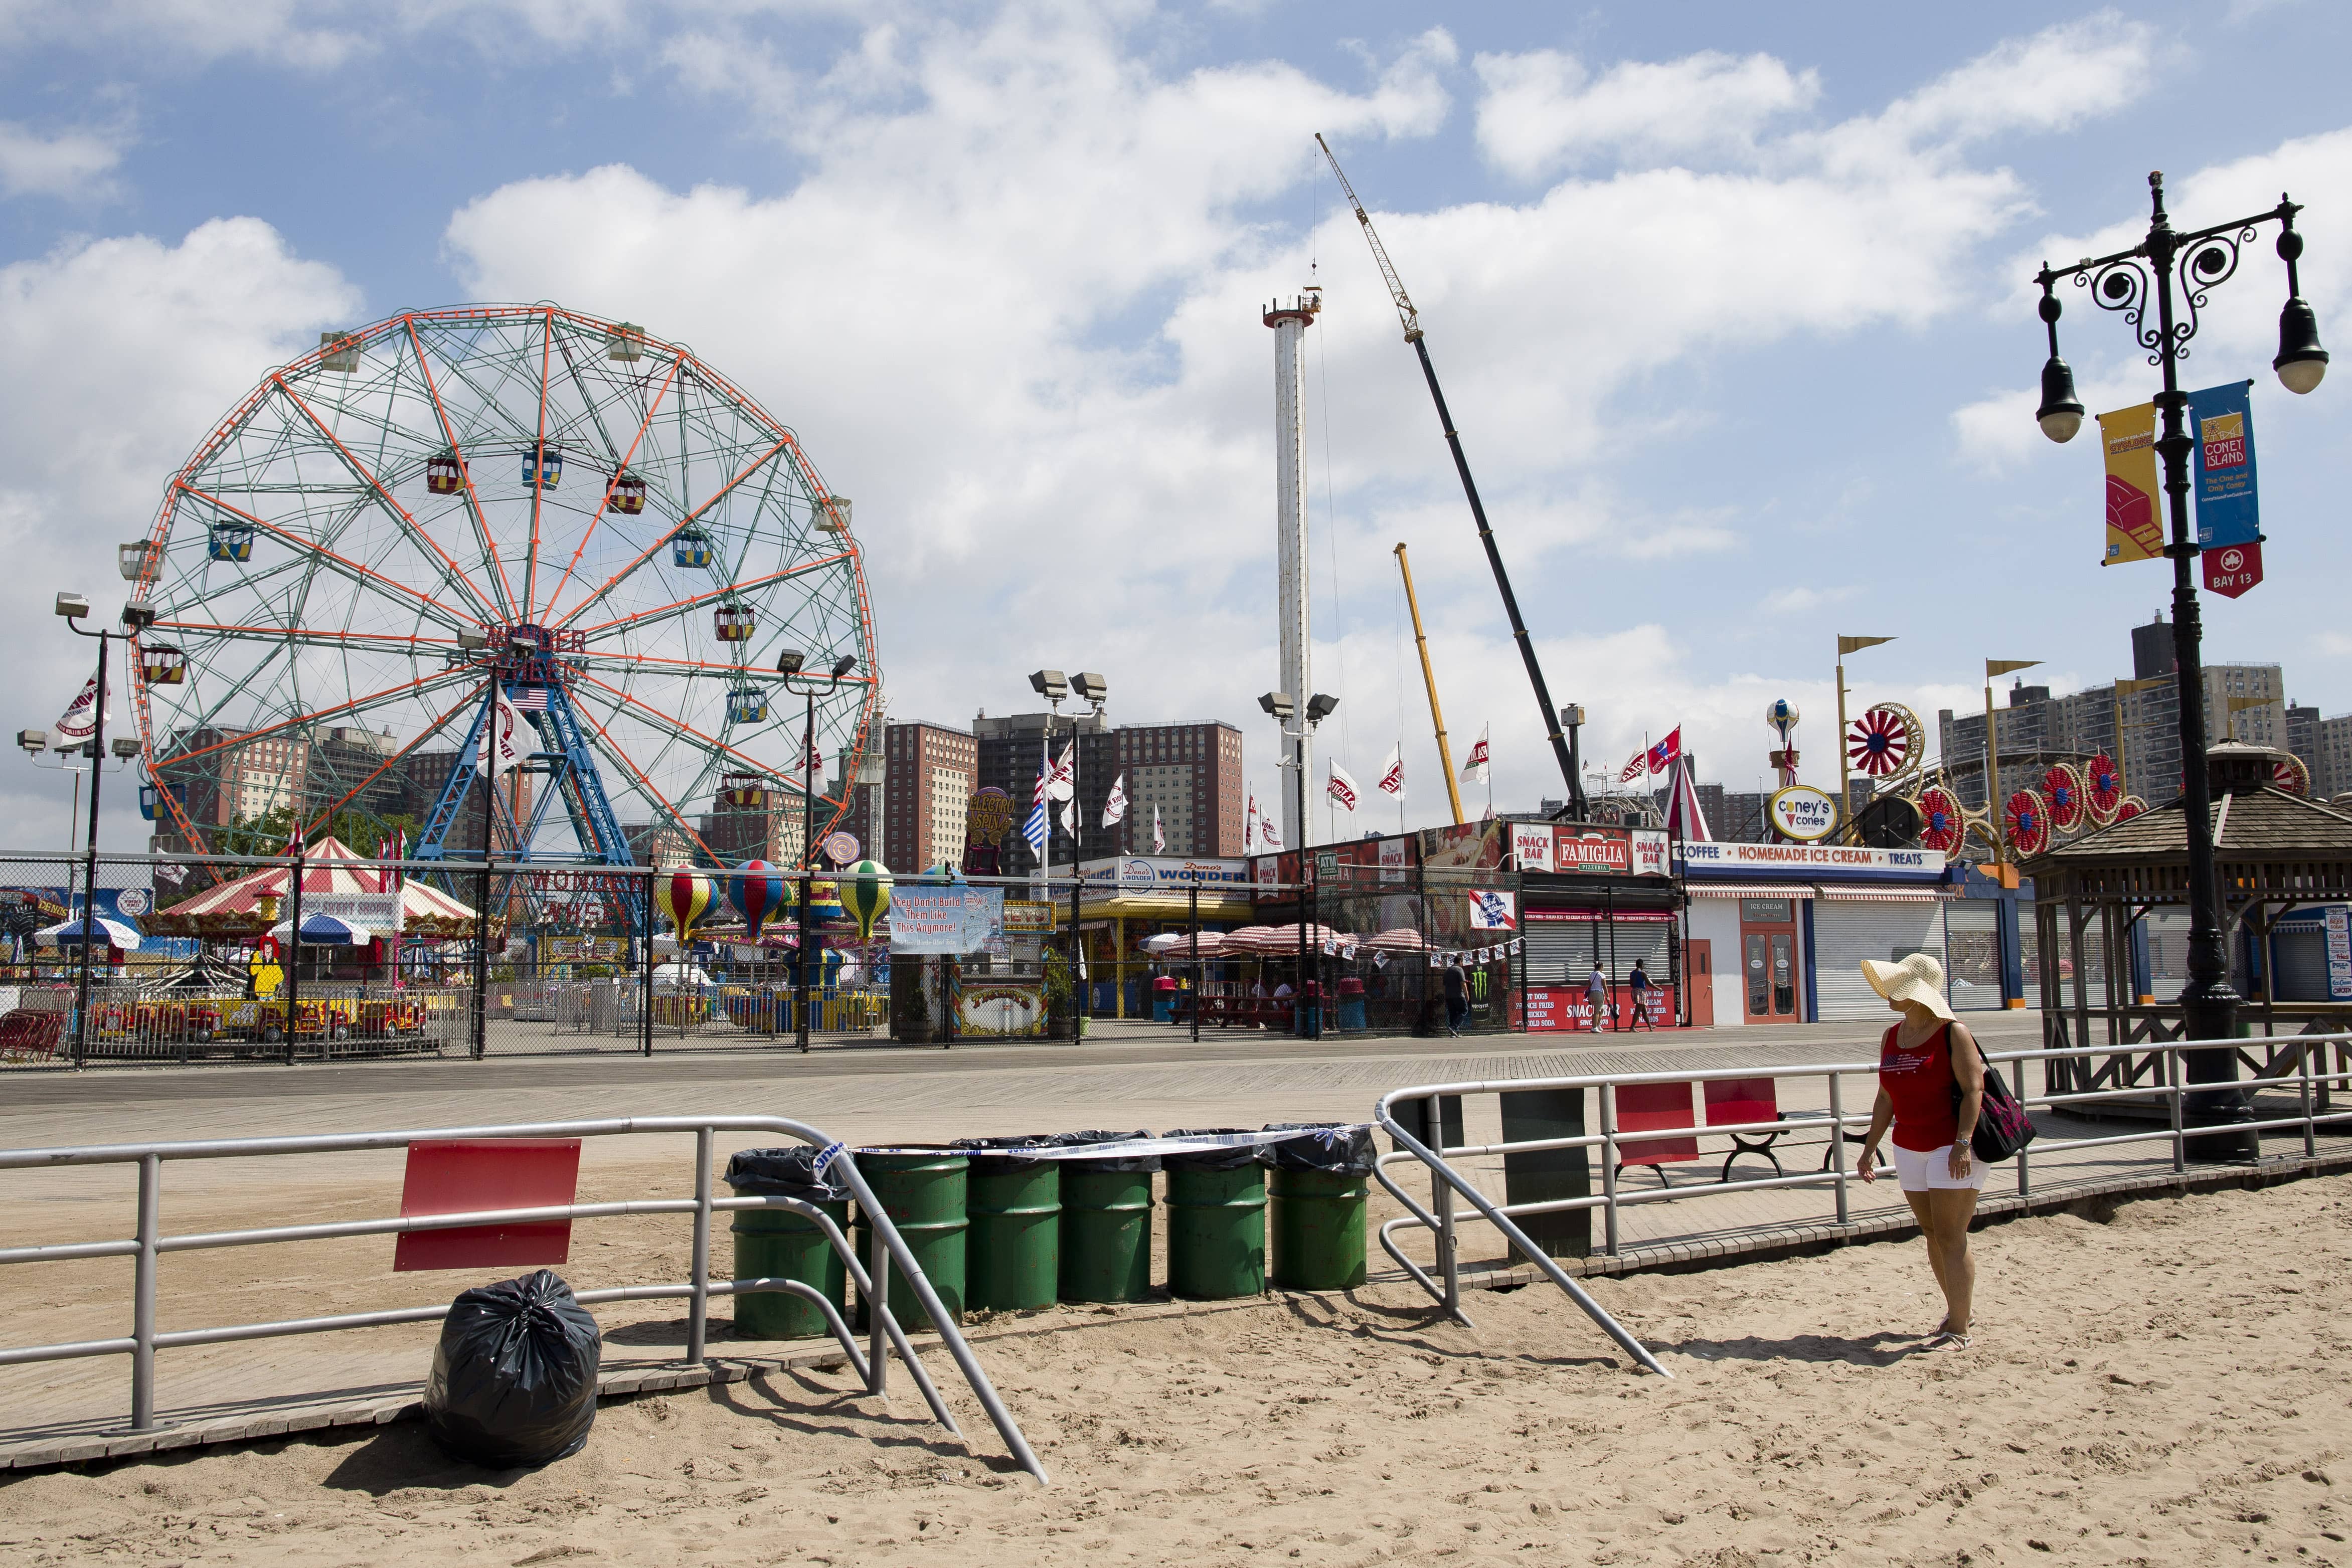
[2166, 1382]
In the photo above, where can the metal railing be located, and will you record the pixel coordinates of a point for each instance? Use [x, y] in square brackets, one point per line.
[1440, 1218]
[147, 1247]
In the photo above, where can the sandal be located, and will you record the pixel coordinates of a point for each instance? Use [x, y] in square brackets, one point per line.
[1944, 1339]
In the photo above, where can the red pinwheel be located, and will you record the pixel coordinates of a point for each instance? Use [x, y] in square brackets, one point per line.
[1879, 742]
[2063, 788]
[1941, 822]
[2102, 788]
[2025, 822]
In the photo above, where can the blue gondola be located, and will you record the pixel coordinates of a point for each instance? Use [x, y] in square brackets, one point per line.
[230, 541]
[149, 797]
[747, 705]
[543, 465]
[690, 546]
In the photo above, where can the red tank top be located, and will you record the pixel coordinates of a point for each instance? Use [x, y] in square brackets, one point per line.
[1919, 1082]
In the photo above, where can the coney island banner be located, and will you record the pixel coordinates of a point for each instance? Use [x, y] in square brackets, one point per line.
[2223, 428]
[1812, 862]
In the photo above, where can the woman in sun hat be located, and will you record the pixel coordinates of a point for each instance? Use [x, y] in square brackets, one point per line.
[1920, 1061]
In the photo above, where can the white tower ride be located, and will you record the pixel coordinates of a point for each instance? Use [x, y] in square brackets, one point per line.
[1290, 323]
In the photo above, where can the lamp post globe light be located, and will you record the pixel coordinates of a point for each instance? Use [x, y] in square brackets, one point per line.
[806, 684]
[2193, 263]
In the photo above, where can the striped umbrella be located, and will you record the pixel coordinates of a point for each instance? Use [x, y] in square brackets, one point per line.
[866, 893]
[758, 891]
[683, 897]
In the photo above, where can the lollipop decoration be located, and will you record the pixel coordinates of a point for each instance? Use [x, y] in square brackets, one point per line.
[2061, 787]
[1942, 821]
[2025, 822]
[757, 890]
[683, 897]
[2103, 788]
[866, 893]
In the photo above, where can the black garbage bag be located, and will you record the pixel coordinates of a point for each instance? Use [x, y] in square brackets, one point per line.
[788, 1172]
[1231, 1159]
[985, 1162]
[1129, 1163]
[514, 1378]
[1335, 1149]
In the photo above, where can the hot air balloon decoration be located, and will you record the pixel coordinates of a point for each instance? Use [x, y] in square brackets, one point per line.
[684, 897]
[757, 890]
[866, 893]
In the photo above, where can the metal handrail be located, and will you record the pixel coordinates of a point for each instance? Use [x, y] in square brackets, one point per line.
[1439, 1217]
[872, 1277]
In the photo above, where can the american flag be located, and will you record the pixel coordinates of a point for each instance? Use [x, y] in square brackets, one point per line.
[531, 699]
[1038, 826]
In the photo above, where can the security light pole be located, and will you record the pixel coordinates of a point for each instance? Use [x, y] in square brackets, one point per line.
[796, 680]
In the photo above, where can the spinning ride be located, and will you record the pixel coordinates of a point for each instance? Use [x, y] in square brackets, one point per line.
[451, 507]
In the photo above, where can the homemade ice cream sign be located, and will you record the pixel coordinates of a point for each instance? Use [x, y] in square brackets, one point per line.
[2229, 531]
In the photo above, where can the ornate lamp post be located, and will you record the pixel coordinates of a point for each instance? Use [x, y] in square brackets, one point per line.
[805, 684]
[2203, 259]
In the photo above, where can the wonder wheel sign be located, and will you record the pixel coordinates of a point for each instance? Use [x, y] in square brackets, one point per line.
[454, 510]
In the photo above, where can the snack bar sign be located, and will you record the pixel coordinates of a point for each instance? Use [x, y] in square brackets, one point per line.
[1555, 848]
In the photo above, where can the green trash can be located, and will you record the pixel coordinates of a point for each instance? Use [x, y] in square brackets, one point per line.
[1106, 1223]
[1216, 1221]
[1013, 1252]
[922, 1190]
[778, 1244]
[1317, 1192]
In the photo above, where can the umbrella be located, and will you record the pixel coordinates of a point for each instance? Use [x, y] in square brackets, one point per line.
[72, 933]
[325, 931]
[1279, 941]
[1179, 944]
[1399, 939]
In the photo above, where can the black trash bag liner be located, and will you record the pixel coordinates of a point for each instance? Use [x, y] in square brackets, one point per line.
[1335, 1148]
[788, 1172]
[985, 1164]
[514, 1378]
[1231, 1159]
[1130, 1163]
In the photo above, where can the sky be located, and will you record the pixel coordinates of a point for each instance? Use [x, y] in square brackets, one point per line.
[1732, 305]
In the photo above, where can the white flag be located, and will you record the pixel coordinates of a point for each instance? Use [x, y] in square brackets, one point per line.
[80, 720]
[1070, 818]
[1475, 770]
[1249, 827]
[1269, 837]
[501, 750]
[1392, 773]
[1634, 766]
[1159, 839]
[1115, 804]
[1341, 789]
[1058, 783]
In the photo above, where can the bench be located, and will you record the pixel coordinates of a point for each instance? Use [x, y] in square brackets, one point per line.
[1730, 1102]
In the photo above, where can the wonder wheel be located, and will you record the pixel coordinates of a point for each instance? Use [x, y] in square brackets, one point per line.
[512, 514]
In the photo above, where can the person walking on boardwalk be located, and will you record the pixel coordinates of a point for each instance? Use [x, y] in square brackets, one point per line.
[1457, 998]
[1638, 983]
[1596, 993]
[1930, 1088]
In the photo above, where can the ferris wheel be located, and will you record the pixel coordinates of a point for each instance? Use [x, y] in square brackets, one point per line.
[456, 511]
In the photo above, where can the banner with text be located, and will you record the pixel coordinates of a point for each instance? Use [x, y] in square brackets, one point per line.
[2134, 517]
[2223, 427]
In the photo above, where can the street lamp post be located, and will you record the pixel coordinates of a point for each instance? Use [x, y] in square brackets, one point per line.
[802, 682]
[1281, 707]
[136, 618]
[2121, 282]
[1052, 686]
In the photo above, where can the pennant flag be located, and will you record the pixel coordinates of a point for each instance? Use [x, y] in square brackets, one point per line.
[1249, 825]
[501, 750]
[1661, 756]
[80, 720]
[1159, 839]
[1058, 783]
[1070, 817]
[1392, 773]
[1633, 765]
[1475, 770]
[1341, 789]
[2134, 518]
[1115, 803]
[1269, 837]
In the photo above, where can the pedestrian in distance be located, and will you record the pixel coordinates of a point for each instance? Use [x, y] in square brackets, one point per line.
[1638, 982]
[1930, 1090]
[1596, 993]
[1457, 998]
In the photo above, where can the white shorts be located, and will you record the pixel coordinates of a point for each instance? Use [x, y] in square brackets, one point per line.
[1923, 1170]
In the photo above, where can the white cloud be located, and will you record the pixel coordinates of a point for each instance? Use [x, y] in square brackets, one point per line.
[2054, 80]
[73, 163]
[1545, 110]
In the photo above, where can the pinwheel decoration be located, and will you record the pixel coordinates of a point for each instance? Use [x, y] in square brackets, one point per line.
[2061, 787]
[2292, 776]
[1883, 742]
[2129, 807]
[1942, 822]
[2025, 822]
[2103, 788]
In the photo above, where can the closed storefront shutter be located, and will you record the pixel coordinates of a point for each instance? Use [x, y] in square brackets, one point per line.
[2300, 954]
[1845, 932]
[1972, 953]
[1562, 953]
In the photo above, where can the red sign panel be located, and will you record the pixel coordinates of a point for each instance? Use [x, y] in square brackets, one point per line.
[1563, 1008]
[470, 1176]
[2230, 570]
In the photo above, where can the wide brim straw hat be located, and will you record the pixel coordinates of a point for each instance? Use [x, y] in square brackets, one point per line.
[1919, 978]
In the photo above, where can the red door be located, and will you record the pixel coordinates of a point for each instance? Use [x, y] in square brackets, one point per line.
[1698, 973]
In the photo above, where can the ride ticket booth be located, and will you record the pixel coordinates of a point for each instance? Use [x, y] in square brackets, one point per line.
[1598, 897]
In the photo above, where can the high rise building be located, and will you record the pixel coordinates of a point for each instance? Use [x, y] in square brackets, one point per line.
[929, 771]
[1009, 748]
[2330, 757]
[1191, 772]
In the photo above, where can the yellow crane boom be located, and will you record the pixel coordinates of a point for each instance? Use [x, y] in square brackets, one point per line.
[1429, 679]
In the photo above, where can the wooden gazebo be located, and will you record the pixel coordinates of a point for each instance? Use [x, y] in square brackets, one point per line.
[2274, 852]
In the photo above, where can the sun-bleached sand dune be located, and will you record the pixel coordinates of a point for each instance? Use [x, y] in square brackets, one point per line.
[2169, 1382]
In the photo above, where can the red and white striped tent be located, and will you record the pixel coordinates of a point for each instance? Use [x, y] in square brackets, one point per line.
[233, 909]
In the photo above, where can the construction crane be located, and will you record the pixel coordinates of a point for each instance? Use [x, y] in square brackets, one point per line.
[1429, 679]
[1412, 320]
